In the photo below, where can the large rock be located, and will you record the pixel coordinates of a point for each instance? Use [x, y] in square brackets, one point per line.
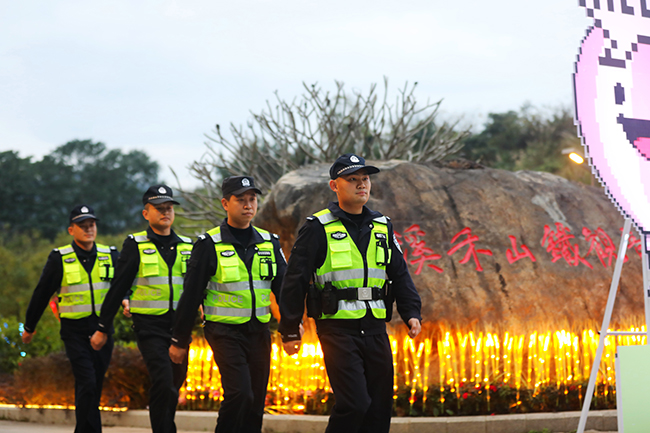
[431, 205]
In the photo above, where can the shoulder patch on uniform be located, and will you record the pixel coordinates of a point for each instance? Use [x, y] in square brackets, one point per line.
[228, 253]
[397, 243]
[311, 218]
[131, 237]
[55, 249]
[202, 237]
[339, 235]
[275, 236]
[113, 248]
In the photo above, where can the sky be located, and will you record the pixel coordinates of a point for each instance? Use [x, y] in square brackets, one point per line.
[158, 75]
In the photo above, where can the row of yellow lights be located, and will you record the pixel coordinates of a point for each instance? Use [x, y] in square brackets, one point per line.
[444, 358]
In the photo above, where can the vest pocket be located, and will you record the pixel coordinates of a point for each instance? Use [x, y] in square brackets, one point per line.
[229, 269]
[149, 265]
[340, 255]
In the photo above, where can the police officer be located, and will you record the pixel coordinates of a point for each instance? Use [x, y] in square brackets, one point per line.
[350, 253]
[233, 270]
[150, 275]
[80, 272]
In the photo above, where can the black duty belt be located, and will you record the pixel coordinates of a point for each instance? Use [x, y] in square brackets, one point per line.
[360, 293]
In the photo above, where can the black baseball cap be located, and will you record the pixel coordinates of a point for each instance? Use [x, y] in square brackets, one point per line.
[349, 163]
[82, 212]
[235, 185]
[157, 194]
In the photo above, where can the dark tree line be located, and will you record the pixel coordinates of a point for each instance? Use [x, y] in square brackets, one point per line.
[38, 195]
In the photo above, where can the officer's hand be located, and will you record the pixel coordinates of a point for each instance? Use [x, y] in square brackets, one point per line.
[27, 336]
[176, 354]
[415, 326]
[126, 309]
[291, 347]
[98, 340]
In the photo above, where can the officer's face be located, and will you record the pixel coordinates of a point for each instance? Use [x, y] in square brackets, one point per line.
[84, 232]
[352, 189]
[240, 209]
[160, 216]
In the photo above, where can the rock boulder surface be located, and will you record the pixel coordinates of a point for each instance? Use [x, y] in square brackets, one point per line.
[457, 225]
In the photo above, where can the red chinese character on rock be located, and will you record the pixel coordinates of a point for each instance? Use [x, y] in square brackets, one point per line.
[471, 250]
[560, 247]
[633, 242]
[420, 251]
[513, 257]
[600, 242]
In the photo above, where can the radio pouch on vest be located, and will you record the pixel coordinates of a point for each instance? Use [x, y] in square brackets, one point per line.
[329, 302]
[106, 272]
[266, 268]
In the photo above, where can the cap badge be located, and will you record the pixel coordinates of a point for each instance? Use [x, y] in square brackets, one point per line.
[84, 209]
[354, 159]
[162, 190]
[245, 182]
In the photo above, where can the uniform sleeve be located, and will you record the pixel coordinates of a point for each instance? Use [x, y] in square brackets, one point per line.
[47, 286]
[406, 295]
[201, 267]
[306, 255]
[125, 271]
[276, 285]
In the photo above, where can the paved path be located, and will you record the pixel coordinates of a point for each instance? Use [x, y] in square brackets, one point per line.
[28, 427]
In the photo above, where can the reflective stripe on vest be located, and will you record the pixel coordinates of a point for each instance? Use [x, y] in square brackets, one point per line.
[156, 288]
[345, 266]
[232, 290]
[79, 290]
[236, 312]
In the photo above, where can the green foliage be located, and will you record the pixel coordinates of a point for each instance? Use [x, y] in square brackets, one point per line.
[528, 140]
[13, 351]
[42, 193]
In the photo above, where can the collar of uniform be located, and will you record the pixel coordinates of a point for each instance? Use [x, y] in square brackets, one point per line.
[229, 238]
[81, 253]
[368, 214]
[153, 236]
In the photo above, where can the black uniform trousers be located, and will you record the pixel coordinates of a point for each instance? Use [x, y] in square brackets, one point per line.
[360, 369]
[88, 367]
[244, 361]
[166, 379]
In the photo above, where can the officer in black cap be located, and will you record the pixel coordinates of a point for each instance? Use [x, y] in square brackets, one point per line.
[81, 273]
[148, 284]
[350, 255]
[234, 269]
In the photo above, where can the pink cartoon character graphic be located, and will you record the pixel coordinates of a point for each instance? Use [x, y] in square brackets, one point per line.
[612, 101]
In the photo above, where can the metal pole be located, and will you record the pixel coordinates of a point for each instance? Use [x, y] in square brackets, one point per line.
[645, 240]
[613, 288]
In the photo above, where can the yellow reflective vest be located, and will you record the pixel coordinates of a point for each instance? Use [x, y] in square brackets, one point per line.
[82, 293]
[156, 288]
[345, 266]
[233, 294]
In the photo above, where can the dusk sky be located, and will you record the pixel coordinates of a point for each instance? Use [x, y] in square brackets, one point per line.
[157, 75]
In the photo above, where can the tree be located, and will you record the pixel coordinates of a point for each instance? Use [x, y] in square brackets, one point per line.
[528, 140]
[319, 127]
[42, 193]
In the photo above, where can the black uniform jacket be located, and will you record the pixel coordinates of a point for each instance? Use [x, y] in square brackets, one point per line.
[309, 253]
[50, 283]
[125, 273]
[202, 266]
